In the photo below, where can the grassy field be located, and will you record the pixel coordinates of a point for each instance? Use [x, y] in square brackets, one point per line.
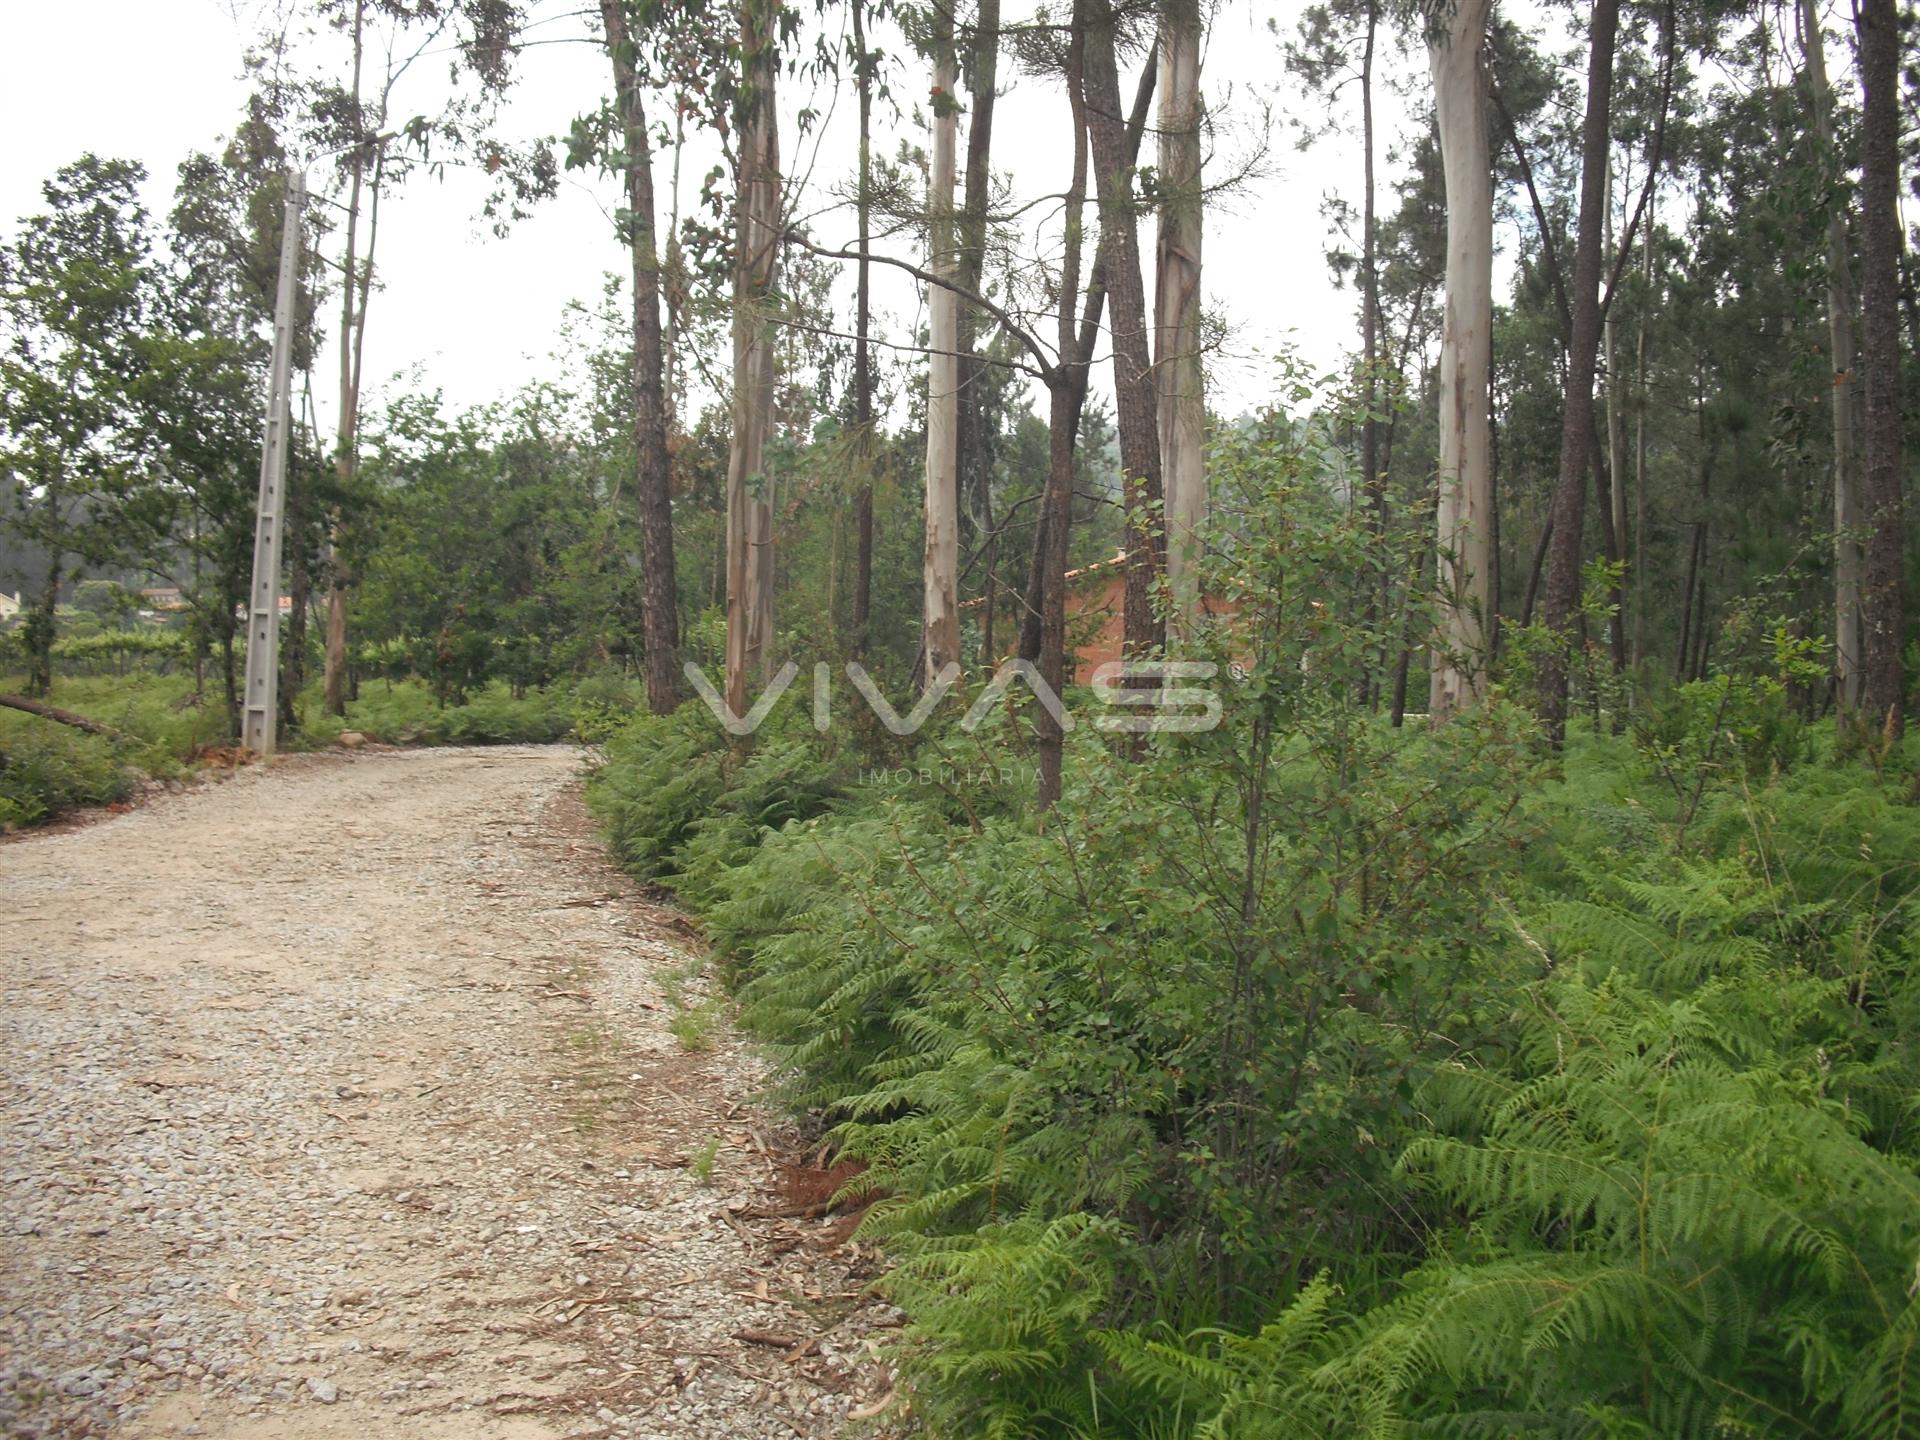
[49, 768]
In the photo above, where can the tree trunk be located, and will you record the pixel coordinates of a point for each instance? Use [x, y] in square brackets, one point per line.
[1063, 419]
[654, 485]
[347, 423]
[1640, 443]
[1610, 550]
[1177, 338]
[1848, 559]
[1583, 341]
[1462, 528]
[757, 247]
[1683, 653]
[940, 637]
[1373, 480]
[63, 717]
[1135, 401]
[1091, 310]
[862, 361]
[42, 626]
[1883, 691]
[1616, 463]
[1533, 574]
[976, 443]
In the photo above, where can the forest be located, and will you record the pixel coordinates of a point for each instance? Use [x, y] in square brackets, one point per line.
[1383, 903]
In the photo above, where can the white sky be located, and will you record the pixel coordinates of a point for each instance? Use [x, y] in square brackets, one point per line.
[477, 316]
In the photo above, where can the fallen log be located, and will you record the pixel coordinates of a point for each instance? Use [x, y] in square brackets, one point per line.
[64, 717]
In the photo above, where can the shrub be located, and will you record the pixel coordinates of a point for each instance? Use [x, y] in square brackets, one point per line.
[50, 769]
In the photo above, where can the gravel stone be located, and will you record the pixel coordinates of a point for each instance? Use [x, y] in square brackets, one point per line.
[349, 1082]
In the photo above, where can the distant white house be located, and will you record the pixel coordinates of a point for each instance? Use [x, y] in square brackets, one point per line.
[9, 607]
[286, 609]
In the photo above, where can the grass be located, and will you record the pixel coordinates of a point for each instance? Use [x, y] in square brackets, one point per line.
[700, 1162]
[693, 1027]
[50, 768]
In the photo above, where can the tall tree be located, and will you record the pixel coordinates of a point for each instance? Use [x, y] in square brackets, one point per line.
[654, 487]
[1883, 693]
[1066, 385]
[356, 124]
[756, 252]
[1093, 308]
[977, 435]
[366, 169]
[76, 292]
[1577, 441]
[1464, 515]
[864, 64]
[940, 565]
[1847, 556]
[1136, 402]
[1177, 338]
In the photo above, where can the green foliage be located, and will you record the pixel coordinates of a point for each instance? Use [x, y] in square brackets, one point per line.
[700, 1163]
[52, 768]
[661, 775]
[408, 713]
[1311, 1077]
[119, 650]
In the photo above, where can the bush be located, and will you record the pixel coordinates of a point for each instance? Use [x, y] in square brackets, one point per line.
[406, 713]
[51, 769]
[1309, 1077]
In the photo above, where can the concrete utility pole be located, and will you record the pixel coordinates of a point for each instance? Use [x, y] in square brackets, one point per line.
[263, 621]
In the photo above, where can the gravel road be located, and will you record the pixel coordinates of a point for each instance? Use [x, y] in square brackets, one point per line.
[340, 1100]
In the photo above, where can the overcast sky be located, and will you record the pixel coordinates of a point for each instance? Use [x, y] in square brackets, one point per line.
[476, 316]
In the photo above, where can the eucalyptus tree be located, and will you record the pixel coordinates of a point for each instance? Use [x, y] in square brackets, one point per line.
[975, 229]
[1587, 304]
[1457, 40]
[1339, 44]
[940, 636]
[1179, 378]
[623, 25]
[866, 65]
[1136, 399]
[1066, 389]
[1883, 694]
[756, 240]
[357, 126]
[1848, 559]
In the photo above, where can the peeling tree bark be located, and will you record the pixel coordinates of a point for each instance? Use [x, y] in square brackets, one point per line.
[1066, 385]
[1463, 518]
[940, 637]
[347, 423]
[1848, 558]
[976, 437]
[1179, 382]
[862, 361]
[756, 252]
[1883, 691]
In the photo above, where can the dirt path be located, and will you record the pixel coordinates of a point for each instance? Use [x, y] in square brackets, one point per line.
[341, 1101]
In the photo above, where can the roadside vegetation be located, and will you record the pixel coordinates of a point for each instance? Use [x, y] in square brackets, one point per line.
[166, 729]
[1313, 1076]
